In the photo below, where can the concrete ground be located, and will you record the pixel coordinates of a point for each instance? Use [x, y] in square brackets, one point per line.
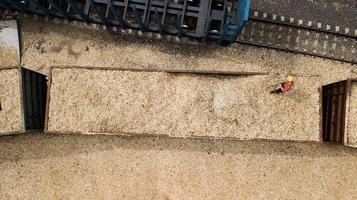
[37, 166]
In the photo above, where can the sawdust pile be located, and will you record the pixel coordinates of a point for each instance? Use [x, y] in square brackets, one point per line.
[10, 114]
[48, 44]
[43, 166]
[65, 45]
[105, 101]
[8, 57]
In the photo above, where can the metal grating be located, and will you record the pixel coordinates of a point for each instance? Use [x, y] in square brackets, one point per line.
[221, 20]
[334, 111]
[34, 89]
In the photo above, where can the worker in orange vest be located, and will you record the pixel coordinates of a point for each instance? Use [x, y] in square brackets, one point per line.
[285, 86]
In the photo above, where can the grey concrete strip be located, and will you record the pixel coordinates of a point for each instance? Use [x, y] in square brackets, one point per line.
[9, 35]
[9, 43]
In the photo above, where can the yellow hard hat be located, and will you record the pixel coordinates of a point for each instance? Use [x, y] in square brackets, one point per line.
[290, 78]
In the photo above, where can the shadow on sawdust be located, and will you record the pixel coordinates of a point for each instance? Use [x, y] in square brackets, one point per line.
[30, 146]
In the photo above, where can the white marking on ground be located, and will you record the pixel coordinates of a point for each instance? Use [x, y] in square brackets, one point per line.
[337, 28]
[347, 30]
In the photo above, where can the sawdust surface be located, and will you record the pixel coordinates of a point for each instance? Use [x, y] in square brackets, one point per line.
[67, 45]
[182, 105]
[74, 45]
[11, 113]
[9, 57]
[109, 167]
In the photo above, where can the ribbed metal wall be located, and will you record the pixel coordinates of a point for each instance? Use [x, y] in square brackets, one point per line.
[204, 19]
[334, 111]
[34, 99]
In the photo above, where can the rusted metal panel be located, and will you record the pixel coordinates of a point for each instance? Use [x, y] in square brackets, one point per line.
[334, 111]
[350, 138]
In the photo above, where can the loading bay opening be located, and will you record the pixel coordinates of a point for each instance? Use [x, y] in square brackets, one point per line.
[334, 111]
[34, 92]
